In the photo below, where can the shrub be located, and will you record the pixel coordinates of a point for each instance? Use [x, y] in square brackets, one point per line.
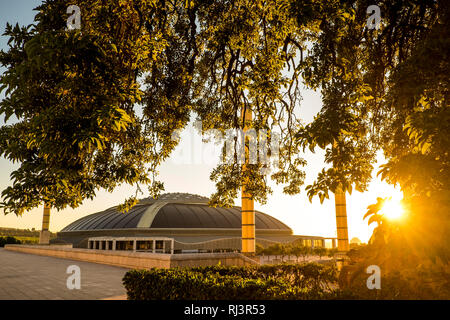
[426, 281]
[309, 281]
[8, 240]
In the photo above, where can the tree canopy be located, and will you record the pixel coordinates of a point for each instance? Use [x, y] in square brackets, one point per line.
[76, 95]
[98, 106]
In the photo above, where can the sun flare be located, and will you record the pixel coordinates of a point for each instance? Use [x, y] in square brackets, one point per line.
[392, 209]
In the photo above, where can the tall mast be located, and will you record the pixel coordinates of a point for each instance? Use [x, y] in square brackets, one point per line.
[247, 207]
[341, 217]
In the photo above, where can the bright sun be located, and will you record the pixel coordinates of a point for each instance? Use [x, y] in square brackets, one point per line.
[392, 209]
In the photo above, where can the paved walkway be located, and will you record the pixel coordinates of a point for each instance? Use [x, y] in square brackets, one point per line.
[31, 277]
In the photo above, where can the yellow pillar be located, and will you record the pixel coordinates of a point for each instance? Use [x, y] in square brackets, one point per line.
[341, 220]
[44, 237]
[341, 217]
[247, 206]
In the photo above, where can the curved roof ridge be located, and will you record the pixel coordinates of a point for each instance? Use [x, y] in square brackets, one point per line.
[150, 214]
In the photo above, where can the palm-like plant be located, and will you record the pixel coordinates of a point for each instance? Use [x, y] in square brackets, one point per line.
[373, 212]
[374, 215]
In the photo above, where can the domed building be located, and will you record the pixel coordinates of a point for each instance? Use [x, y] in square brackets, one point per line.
[175, 223]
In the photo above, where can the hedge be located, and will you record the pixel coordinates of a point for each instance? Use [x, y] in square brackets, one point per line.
[8, 240]
[308, 281]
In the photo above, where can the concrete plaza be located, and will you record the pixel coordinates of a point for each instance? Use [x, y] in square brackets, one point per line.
[32, 277]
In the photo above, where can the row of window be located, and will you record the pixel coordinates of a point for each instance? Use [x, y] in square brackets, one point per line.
[141, 245]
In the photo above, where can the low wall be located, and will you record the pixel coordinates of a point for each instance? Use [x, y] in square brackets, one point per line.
[134, 260]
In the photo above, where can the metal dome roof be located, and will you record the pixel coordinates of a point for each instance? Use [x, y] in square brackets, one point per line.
[173, 211]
